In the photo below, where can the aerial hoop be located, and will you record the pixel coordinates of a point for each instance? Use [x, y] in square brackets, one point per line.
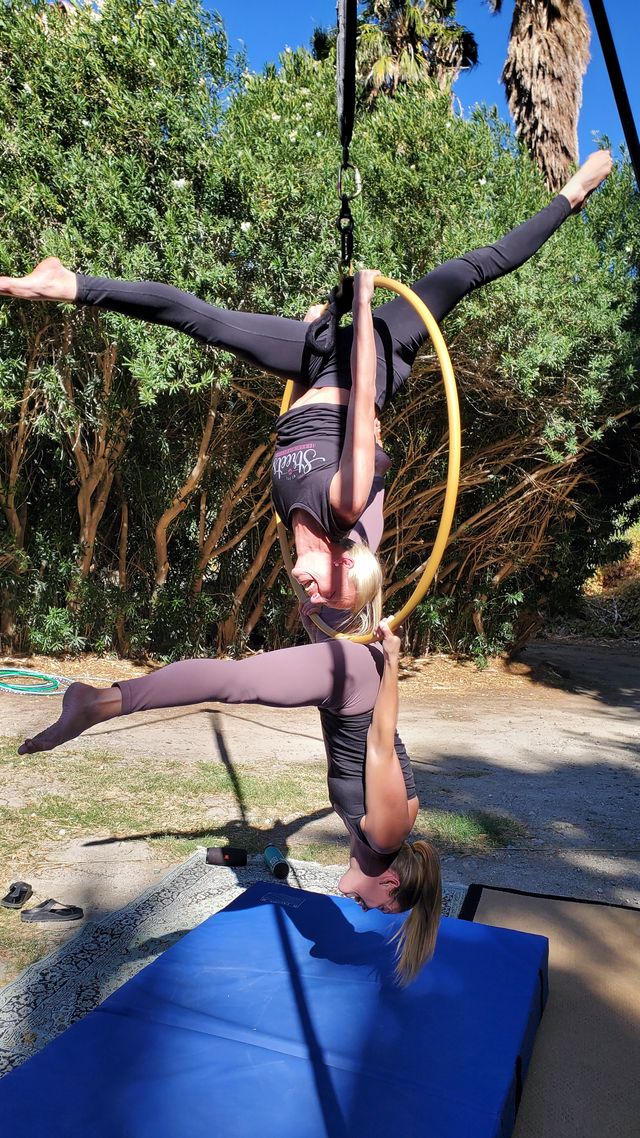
[453, 472]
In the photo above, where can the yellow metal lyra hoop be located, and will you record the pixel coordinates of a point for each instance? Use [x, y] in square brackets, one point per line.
[453, 472]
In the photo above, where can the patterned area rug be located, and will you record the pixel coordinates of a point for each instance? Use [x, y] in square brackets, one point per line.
[55, 992]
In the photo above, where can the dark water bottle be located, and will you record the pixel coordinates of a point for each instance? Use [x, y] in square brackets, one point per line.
[276, 862]
[226, 855]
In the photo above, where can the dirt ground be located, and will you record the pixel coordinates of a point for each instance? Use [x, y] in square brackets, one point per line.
[551, 740]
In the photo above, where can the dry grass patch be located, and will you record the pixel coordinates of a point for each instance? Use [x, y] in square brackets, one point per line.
[69, 794]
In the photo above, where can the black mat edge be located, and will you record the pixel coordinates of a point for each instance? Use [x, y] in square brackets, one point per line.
[475, 891]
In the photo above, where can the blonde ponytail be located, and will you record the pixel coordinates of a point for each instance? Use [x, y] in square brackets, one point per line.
[366, 575]
[420, 889]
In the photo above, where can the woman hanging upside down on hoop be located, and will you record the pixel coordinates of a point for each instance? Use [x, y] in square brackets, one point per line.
[323, 466]
[370, 781]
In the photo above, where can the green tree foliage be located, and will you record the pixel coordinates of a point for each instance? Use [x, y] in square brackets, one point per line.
[224, 184]
[108, 123]
[404, 42]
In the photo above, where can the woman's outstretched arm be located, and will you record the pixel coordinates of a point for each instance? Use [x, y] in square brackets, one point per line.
[388, 814]
[351, 485]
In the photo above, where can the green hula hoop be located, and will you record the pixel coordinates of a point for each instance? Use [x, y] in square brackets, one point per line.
[41, 684]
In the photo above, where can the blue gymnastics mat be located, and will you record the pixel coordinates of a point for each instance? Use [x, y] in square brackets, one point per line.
[278, 1018]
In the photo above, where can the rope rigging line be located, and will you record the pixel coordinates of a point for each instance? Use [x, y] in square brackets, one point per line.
[346, 72]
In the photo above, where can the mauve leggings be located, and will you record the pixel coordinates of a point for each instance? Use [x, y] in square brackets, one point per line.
[277, 344]
[337, 674]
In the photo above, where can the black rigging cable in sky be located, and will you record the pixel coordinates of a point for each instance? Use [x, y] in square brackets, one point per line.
[610, 54]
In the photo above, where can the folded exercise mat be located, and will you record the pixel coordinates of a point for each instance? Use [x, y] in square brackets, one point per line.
[278, 1017]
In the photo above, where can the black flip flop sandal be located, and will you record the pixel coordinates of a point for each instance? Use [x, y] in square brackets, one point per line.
[18, 893]
[51, 910]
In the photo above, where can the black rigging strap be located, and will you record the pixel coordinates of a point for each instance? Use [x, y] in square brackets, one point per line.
[617, 83]
[347, 16]
[346, 72]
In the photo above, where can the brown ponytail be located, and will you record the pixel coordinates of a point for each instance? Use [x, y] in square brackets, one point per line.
[420, 890]
[322, 332]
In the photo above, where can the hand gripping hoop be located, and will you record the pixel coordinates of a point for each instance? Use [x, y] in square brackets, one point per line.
[453, 472]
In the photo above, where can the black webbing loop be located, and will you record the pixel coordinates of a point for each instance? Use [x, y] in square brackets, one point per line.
[344, 225]
[347, 16]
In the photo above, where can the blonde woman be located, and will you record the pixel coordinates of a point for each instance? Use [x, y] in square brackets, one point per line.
[324, 462]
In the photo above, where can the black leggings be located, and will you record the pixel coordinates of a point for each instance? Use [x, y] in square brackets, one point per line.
[278, 345]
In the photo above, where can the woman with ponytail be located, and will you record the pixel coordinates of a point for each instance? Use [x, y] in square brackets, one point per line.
[324, 463]
[370, 781]
[385, 871]
[369, 776]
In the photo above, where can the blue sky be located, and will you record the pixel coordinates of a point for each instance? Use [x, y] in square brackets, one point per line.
[266, 29]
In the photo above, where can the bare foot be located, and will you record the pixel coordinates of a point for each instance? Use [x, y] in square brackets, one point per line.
[48, 281]
[82, 706]
[313, 313]
[587, 178]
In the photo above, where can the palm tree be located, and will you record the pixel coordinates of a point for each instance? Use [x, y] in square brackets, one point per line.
[547, 58]
[407, 41]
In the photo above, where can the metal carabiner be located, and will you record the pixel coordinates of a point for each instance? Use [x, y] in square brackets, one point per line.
[356, 178]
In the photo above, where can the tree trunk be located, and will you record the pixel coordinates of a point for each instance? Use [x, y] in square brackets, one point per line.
[16, 446]
[183, 496]
[96, 480]
[210, 547]
[548, 56]
[122, 640]
[258, 608]
[95, 461]
[228, 629]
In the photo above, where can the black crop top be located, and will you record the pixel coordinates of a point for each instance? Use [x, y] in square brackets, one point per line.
[345, 739]
[308, 448]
